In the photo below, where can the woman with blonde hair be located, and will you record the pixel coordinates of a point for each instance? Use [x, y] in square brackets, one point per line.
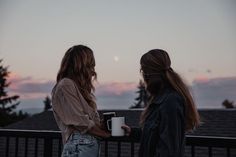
[73, 104]
[170, 112]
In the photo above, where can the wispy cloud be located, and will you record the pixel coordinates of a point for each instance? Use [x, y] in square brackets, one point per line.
[116, 95]
[28, 87]
[208, 71]
[212, 92]
[208, 93]
[34, 87]
[194, 70]
[115, 88]
[33, 91]
[200, 79]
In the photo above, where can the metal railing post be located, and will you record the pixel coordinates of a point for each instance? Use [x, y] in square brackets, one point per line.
[48, 147]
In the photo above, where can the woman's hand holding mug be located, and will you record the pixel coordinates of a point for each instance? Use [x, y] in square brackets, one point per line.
[127, 129]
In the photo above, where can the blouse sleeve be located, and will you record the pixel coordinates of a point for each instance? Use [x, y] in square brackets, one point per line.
[68, 106]
[171, 128]
[136, 133]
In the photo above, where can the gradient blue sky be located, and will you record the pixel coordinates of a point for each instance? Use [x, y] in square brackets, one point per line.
[200, 37]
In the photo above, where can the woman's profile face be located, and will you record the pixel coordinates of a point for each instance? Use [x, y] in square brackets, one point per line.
[142, 77]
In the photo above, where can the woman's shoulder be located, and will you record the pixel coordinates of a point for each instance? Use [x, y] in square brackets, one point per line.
[173, 101]
[174, 96]
[65, 82]
[167, 95]
[65, 85]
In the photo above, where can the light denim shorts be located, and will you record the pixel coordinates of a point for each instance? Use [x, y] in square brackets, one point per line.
[81, 145]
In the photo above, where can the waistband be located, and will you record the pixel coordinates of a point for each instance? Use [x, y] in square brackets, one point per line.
[77, 135]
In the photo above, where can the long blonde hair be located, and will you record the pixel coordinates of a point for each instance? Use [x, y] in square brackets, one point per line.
[158, 74]
[78, 64]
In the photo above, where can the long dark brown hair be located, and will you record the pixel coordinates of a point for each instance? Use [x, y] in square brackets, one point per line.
[78, 64]
[158, 74]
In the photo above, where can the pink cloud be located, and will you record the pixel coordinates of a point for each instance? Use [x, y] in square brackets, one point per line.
[16, 79]
[13, 77]
[115, 88]
[201, 79]
[28, 87]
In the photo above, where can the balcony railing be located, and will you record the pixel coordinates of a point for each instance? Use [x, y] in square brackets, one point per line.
[30, 143]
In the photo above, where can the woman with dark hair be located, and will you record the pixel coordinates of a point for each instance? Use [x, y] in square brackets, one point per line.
[73, 104]
[170, 112]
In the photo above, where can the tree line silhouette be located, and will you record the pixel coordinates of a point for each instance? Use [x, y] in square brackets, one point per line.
[8, 104]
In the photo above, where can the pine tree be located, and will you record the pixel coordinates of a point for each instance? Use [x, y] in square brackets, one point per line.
[228, 104]
[6, 102]
[142, 99]
[47, 103]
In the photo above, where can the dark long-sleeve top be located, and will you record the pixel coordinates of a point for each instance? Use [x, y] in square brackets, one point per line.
[163, 133]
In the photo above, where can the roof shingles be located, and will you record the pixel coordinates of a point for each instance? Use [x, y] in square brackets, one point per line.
[215, 122]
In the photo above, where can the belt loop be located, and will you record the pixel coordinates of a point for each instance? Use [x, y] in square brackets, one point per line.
[72, 136]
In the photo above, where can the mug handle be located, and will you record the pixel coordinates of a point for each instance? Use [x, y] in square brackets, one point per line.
[108, 127]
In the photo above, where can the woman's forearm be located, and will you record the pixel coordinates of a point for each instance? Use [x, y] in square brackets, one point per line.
[97, 131]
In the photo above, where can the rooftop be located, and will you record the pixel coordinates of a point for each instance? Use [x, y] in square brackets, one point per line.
[215, 122]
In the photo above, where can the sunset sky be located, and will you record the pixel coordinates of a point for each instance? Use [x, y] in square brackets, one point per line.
[200, 37]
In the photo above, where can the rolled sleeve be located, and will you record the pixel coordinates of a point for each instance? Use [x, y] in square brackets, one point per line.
[68, 106]
[86, 128]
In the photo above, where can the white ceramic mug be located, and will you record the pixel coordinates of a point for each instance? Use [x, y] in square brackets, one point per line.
[116, 123]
